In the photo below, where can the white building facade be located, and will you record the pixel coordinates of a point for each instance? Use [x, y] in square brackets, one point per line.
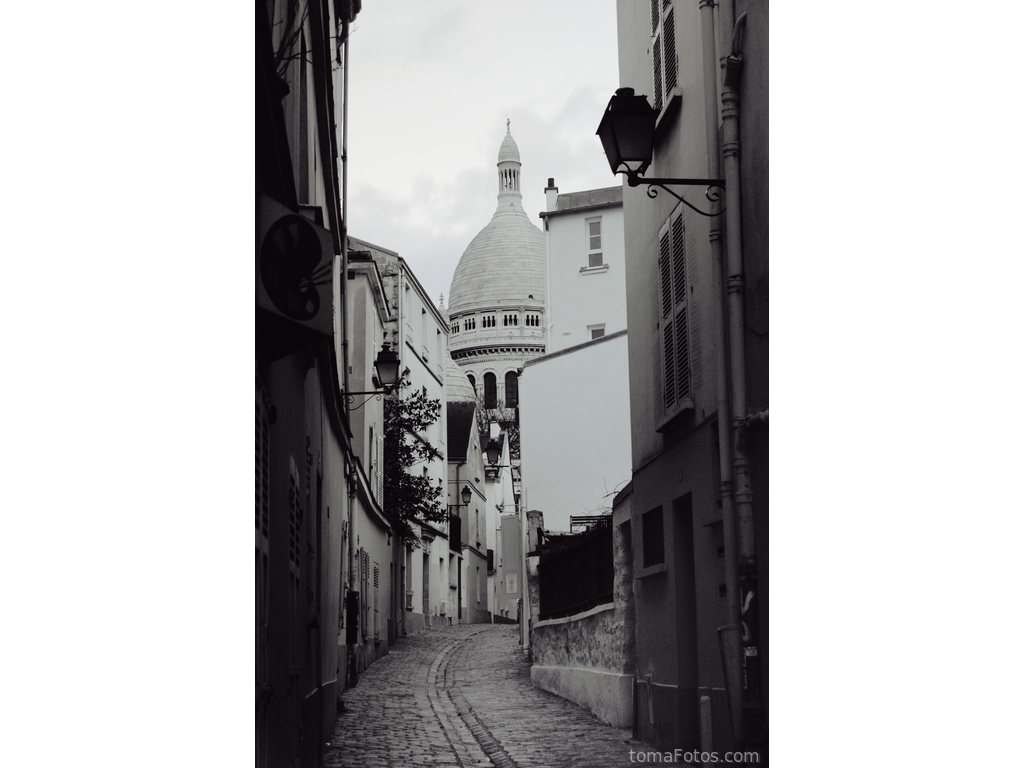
[574, 400]
[424, 582]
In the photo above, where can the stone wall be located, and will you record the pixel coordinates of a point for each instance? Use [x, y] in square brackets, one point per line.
[588, 658]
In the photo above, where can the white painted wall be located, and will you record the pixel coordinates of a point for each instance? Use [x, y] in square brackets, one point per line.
[579, 299]
[575, 430]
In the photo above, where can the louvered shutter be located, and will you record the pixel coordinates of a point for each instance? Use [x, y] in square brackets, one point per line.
[658, 93]
[674, 376]
[376, 604]
[380, 469]
[665, 268]
[669, 52]
[663, 51]
[682, 357]
[669, 364]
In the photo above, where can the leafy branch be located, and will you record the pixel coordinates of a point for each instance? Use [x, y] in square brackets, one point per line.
[410, 496]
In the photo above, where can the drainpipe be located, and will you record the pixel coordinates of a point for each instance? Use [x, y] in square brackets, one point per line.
[730, 634]
[732, 42]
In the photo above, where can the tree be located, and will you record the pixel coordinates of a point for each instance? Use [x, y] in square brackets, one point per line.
[410, 496]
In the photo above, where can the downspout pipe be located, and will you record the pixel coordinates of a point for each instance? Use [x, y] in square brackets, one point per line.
[730, 633]
[732, 42]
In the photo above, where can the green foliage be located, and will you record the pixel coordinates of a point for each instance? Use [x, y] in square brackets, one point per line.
[408, 494]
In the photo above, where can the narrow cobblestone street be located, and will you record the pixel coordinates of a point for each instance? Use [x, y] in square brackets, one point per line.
[462, 696]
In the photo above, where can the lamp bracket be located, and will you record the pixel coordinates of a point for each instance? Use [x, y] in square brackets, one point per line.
[374, 395]
[635, 179]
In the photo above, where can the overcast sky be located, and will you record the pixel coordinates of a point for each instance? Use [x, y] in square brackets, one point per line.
[431, 84]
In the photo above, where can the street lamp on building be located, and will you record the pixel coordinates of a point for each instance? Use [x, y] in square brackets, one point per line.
[493, 452]
[387, 364]
[627, 132]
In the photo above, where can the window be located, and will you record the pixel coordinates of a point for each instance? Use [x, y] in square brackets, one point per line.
[472, 380]
[488, 321]
[674, 342]
[666, 65]
[511, 389]
[595, 258]
[596, 331]
[490, 391]
[654, 537]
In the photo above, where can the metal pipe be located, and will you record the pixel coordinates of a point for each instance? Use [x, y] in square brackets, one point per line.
[731, 660]
[732, 37]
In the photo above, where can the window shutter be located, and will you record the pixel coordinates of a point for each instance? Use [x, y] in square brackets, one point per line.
[675, 347]
[670, 370]
[380, 470]
[657, 74]
[669, 52]
[682, 341]
[666, 64]
[666, 276]
[376, 606]
[678, 260]
[682, 356]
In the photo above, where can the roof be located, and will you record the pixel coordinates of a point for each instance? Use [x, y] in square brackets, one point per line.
[461, 423]
[575, 202]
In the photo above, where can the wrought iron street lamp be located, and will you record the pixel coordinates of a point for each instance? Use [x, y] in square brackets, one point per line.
[627, 133]
[466, 496]
[387, 364]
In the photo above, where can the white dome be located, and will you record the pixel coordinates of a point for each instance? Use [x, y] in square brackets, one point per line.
[503, 266]
[456, 384]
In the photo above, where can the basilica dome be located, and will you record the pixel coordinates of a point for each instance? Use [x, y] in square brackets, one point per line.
[503, 266]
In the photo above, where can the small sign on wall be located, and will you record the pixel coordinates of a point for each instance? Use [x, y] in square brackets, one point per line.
[511, 583]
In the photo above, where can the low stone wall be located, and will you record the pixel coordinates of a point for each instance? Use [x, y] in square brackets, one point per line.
[588, 658]
[580, 658]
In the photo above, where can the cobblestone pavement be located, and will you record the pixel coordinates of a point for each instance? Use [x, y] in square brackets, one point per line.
[462, 696]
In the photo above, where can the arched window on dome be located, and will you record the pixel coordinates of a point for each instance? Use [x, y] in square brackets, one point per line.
[472, 380]
[511, 389]
[490, 390]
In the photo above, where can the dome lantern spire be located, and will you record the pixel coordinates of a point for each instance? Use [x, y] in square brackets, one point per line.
[508, 166]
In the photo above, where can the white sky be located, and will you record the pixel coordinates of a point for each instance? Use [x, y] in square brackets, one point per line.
[431, 84]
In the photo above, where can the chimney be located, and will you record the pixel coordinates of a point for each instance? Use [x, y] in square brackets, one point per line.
[551, 195]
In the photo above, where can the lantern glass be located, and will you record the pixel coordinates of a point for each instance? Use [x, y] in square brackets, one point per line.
[466, 495]
[493, 452]
[627, 132]
[387, 366]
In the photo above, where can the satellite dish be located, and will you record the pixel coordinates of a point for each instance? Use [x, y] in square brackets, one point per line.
[289, 256]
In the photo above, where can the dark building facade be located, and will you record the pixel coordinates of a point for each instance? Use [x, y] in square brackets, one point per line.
[696, 511]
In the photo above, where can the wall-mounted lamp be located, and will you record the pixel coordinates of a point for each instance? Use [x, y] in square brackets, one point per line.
[627, 133]
[387, 364]
[493, 451]
[466, 496]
